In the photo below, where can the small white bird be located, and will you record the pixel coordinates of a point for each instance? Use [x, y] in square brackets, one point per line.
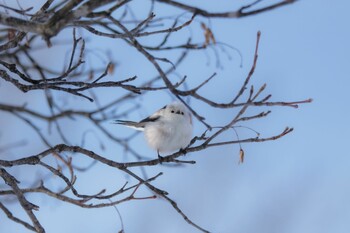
[166, 130]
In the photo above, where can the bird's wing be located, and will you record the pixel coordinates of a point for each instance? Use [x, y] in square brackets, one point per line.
[141, 125]
[152, 118]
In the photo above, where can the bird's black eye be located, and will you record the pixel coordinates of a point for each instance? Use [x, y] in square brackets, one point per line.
[172, 111]
[182, 113]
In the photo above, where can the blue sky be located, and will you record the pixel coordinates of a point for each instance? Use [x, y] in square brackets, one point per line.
[299, 183]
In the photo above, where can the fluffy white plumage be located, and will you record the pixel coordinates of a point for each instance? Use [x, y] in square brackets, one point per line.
[166, 130]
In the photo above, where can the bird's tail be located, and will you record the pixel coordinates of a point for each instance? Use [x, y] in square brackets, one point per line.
[131, 124]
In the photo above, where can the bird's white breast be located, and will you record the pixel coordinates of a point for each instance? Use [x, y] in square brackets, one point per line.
[166, 136]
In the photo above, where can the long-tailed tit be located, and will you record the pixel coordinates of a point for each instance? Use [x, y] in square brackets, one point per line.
[166, 130]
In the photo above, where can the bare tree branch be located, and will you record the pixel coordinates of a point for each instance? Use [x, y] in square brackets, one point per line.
[230, 14]
[85, 74]
[26, 205]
